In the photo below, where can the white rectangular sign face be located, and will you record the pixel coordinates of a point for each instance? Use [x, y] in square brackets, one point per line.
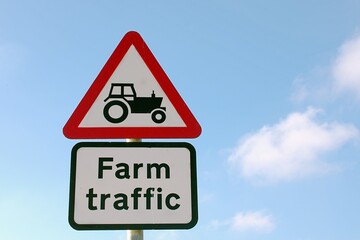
[133, 186]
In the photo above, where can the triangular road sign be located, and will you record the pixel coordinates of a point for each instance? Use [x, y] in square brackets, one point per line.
[132, 97]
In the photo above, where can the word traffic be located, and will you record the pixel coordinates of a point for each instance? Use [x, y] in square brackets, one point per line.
[112, 188]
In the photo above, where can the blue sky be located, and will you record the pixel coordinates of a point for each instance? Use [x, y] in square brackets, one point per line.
[274, 85]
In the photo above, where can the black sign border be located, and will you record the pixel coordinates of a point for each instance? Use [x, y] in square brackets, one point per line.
[194, 194]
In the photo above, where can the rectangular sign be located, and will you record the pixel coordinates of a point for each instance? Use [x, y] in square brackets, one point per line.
[133, 186]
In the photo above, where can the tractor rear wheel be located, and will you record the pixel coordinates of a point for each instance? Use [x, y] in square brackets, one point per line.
[118, 113]
[158, 116]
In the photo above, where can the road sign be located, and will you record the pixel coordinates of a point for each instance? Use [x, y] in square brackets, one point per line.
[133, 186]
[132, 97]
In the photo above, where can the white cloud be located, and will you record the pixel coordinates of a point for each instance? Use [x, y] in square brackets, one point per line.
[324, 83]
[253, 221]
[301, 90]
[346, 69]
[168, 235]
[290, 149]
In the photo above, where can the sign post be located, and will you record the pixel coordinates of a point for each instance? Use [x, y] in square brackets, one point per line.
[132, 185]
[134, 234]
[137, 185]
[132, 97]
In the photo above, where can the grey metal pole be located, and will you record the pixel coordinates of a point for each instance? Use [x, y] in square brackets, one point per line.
[134, 234]
[133, 140]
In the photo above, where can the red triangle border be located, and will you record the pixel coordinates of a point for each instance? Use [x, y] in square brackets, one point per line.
[72, 130]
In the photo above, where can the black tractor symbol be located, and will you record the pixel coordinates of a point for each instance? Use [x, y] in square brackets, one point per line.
[122, 99]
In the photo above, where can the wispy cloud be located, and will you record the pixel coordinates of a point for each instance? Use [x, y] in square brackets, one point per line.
[255, 221]
[168, 235]
[324, 83]
[346, 69]
[290, 149]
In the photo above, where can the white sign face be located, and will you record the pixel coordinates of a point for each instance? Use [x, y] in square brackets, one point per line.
[133, 81]
[132, 97]
[133, 186]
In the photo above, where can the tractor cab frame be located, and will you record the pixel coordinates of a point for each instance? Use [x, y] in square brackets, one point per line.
[123, 97]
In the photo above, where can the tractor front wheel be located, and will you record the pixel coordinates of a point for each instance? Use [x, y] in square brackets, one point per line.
[158, 116]
[115, 111]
